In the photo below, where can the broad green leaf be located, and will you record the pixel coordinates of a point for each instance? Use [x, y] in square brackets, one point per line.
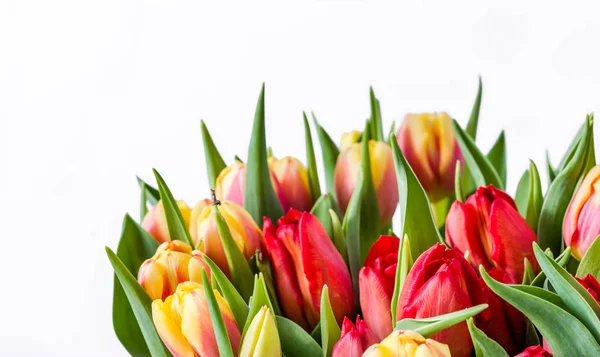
[484, 346]
[529, 197]
[236, 302]
[471, 128]
[238, 266]
[321, 210]
[311, 163]
[141, 305]
[295, 342]
[481, 170]
[418, 221]
[376, 121]
[178, 230]
[339, 240]
[574, 341]
[152, 194]
[560, 192]
[330, 152]
[260, 298]
[497, 157]
[221, 335]
[550, 169]
[330, 331]
[214, 162]
[458, 186]
[405, 262]
[590, 263]
[577, 299]
[260, 199]
[428, 327]
[568, 155]
[562, 260]
[135, 246]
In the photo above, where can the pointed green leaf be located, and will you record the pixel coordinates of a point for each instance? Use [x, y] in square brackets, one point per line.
[295, 342]
[178, 230]
[392, 130]
[497, 157]
[405, 262]
[135, 246]
[321, 210]
[376, 121]
[141, 305]
[428, 327]
[214, 162]
[351, 230]
[560, 192]
[550, 169]
[484, 346]
[562, 260]
[260, 199]
[458, 186]
[260, 298]
[264, 269]
[330, 331]
[339, 240]
[481, 170]
[311, 163]
[471, 128]
[529, 197]
[529, 274]
[221, 335]
[417, 221]
[143, 201]
[571, 150]
[330, 153]
[590, 263]
[574, 341]
[238, 266]
[152, 194]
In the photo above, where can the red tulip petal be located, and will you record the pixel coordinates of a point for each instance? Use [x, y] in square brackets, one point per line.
[375, 301]
[381, 247]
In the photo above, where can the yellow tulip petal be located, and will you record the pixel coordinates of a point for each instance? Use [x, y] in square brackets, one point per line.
[168, 329]
[151, 277]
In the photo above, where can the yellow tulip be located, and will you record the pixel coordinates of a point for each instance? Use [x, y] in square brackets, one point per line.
[407, 344]
[349, 138]
[262, 338]
[155, 221]
[196, 212]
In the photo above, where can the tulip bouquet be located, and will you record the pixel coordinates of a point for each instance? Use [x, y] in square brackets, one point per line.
[269, 265]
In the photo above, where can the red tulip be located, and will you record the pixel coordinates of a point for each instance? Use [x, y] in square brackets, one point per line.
[441, 281]
[376, 282]
[581, 225]
[534, 351]
[304, 259]
[354, 339]
[489, 226]
[592, 285]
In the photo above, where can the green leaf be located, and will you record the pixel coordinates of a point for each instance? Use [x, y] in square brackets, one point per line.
[321, 210]
[178, 230]
[550, 169]
[143, 202]
[260, 199]
[428, 327]
[577, 299]
[497, 157]
[214, 162]
[221, 335]
[590, 263]
[230, 294]
[264, 269]
[481, 170]
[330, 331]
[376, 121]
[529, 274]
[568, 155]
[339, 240]
[573, 341]
[471, 128]
[141, 305]
[405, 263]
[330, 154]
[311, 163]
[417, 221]
[392, 130]
[562, 260]
[260, 298]
[458, 186]
[238, 266]
[529, 197]
[484, 346]
[560, 192]
[135, 246]
[351, 230]
[295, 342]
[152, 194]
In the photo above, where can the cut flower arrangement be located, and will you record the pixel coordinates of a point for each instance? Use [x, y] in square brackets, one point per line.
[272, 263]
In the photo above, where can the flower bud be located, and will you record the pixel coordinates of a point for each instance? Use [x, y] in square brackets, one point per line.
[348, 170]
[155, 221]
[262, 337]
[592, 285]
[534, 351]
[349, 138]
[407, 344]
[293, 180]
[354, 339]
[195, 215]
[429, 145]
[581, 225]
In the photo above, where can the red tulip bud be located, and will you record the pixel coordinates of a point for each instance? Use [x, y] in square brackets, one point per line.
[354, 339]
[534, 351]
[592, 285]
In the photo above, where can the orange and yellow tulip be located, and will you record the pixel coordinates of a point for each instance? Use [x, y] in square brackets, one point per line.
[155, 221]
[407, 344]
[293, 180]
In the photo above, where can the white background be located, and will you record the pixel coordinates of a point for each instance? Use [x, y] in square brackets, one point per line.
[94, 93]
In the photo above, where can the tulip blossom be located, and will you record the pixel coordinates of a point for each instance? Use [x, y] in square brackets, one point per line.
[441, 281]
[173, 263]
[196, 211]
[349, 138]
[262, 337]
[534, 351]
[592, 285]
[581, 225]
[408, 344]
[489, 226]
[304, 259]
[376, 282]
[244, 231]
[155, 221]
[354, 339]
[293, 180]
[348, 171]
[231, 182]
[184, 323]
[429, 145]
